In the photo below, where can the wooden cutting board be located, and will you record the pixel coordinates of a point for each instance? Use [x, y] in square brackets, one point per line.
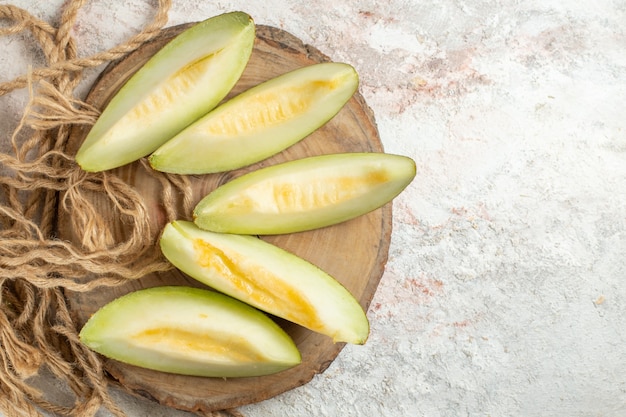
[354, 252]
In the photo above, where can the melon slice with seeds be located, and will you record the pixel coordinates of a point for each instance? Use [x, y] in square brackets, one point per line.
[305, 194]
[190, 331]
[186, 79]
[259, 122]
[268, 278]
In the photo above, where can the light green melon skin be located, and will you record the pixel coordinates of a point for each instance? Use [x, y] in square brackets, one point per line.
[341, 316]
[217, 213]
[196, 150]
[109, 331]
[112, 142]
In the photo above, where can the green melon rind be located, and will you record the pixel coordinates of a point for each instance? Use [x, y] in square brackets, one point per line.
[114, 141]
[337, 313]
[109, 332]
[262, 128]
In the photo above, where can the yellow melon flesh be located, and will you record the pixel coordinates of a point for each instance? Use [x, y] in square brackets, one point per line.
[172, 90]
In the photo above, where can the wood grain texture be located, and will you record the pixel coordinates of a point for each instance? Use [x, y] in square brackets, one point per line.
[354, 252]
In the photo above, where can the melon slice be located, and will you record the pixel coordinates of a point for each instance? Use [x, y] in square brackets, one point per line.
[183, 81]
[259, 122]
[190, 331]
[268, 278]
[305, 194]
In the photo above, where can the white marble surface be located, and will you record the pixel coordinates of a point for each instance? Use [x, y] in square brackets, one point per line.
[505, 291]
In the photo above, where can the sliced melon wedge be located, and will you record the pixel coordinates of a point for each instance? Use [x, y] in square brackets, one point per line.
[268, 278]
[259, 122]
[190, 331]
[183, 81]
[305, 194]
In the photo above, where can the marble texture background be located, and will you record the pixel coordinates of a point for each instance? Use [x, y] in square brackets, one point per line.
[505, 291]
